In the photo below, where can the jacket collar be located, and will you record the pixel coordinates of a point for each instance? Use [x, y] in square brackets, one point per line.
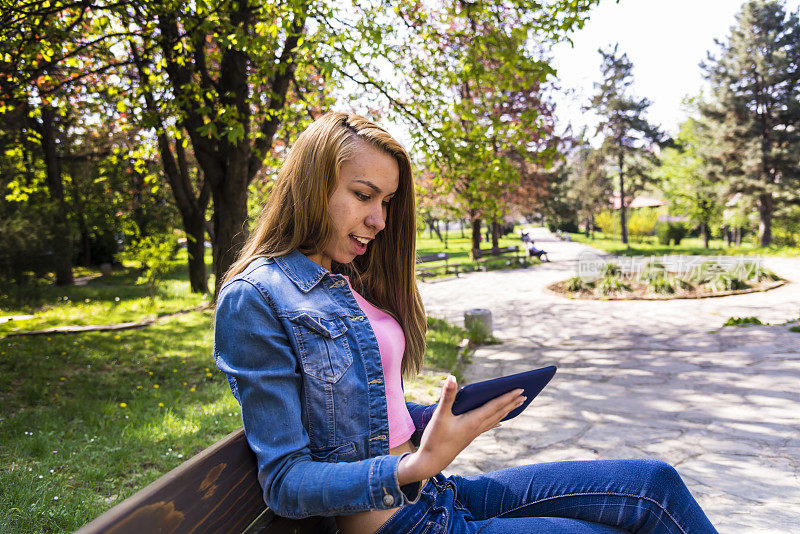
[301, 270]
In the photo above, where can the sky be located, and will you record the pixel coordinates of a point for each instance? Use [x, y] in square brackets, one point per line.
[665, 41]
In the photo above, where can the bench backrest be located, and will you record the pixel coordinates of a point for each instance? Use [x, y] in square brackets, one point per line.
[439, 256]
[483, 252]
[215, 491]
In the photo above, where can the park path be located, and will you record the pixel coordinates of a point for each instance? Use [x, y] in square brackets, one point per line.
[646, 379]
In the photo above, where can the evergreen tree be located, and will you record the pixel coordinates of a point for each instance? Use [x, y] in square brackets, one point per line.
[628, 135]
[755, 115]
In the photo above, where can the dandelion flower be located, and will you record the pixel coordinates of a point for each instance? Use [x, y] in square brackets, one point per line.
[123, 405]
[191, 389]
[138, 387]
[155, 386]
[208, 375]
[160, 404]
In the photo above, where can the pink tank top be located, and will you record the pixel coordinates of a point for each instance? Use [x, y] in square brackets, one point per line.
[392, 344]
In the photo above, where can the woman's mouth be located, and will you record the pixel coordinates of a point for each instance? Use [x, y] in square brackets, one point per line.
[359, 243]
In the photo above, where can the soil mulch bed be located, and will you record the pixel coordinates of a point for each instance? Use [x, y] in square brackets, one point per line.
[642, 291]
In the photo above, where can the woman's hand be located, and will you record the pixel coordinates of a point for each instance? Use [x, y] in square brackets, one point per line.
[447, 435]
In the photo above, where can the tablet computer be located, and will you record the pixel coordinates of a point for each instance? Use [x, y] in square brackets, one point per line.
[474, 395]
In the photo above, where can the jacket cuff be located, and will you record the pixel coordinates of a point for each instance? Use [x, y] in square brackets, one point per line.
[385, 490]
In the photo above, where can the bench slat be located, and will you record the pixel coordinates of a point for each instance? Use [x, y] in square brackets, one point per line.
[215, 491]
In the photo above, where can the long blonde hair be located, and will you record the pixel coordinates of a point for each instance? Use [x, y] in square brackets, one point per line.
[295, 217]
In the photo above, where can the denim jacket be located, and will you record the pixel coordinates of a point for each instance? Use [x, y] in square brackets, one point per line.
[303, 362]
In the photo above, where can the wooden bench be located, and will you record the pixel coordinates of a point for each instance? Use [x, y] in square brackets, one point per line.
[216, 491]
[435, 258]
[482, 255]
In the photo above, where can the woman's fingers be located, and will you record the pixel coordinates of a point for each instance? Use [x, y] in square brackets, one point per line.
[449, 391]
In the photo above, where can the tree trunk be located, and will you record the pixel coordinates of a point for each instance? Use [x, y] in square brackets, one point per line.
[704, 233]
[495, 234]
[476, 229]
[191, 206]
[766, 206]
[622, 214]
[62, 246]
[230, 221]
[446, 229]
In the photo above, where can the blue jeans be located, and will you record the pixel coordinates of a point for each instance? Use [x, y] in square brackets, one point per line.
[609, 496]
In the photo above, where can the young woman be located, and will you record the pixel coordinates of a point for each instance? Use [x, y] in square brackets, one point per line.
[315, 324]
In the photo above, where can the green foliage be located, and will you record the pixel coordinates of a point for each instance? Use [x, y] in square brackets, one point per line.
[610, 284]
[753, 114]
[671, 232]
[687, 178]
[611, 269]
[653, 269]
[576, 283]
[662, 284]
[155, 257]
[705, 272]
[742, 321]
[727, 281]
[442, 344]
[642, 222]
[623, 123]
[795, 328]
[608, 222]
[751, 270]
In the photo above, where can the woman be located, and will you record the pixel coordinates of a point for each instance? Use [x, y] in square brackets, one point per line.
[316, 322]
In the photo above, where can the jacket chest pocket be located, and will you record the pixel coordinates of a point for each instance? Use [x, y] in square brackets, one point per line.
[322, 343]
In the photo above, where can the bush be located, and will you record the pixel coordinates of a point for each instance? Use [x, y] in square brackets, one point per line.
[661, 284]
[612, 284]
[653, 269]
[642, 222]
[611, 269]
[576, 283]
[154, 255]
[751, 270]
[608, 222]
[704, 272]
[742, 321]
[673, 231]
[727, 281]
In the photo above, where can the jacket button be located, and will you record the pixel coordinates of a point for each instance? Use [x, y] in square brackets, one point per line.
[388, 500]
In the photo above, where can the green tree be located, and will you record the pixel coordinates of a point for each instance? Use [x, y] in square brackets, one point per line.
[588, 186]
[755, 113]
[627, 134]
[687, 179]
[485, 118]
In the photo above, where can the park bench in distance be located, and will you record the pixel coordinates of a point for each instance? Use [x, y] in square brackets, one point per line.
[216, 491]
[442, 261]
[483, 255]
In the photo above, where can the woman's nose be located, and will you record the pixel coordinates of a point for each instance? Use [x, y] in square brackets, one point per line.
[376, 219]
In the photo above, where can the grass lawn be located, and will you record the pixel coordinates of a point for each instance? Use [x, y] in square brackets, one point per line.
[691, 246]
[88, 419]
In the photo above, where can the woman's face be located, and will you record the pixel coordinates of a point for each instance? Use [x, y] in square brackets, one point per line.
[358, 205]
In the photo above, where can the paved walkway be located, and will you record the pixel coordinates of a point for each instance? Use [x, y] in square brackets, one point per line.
[646, 379]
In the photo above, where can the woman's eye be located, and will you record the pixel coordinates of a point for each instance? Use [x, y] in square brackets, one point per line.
[386, 203]
[362, 196]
